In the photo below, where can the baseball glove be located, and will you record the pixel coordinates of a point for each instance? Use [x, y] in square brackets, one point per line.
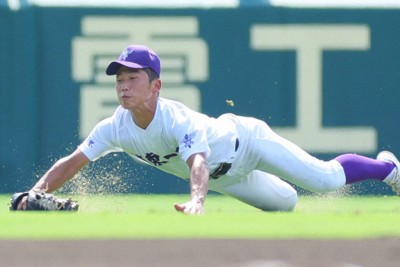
[39, 200]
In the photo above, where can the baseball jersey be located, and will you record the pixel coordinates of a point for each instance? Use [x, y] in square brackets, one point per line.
[175, 133]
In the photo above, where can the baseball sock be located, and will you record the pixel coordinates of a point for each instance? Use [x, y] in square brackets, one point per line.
[359, 168]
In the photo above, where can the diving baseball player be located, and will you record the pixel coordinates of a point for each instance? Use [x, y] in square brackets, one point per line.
[234, 155]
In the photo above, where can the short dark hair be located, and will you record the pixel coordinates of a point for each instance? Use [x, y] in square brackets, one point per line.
[151, 73]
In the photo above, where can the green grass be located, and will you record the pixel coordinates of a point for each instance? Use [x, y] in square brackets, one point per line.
[153, 217]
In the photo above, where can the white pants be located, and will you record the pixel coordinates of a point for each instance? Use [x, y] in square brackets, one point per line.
[261, 190]
[263, 158]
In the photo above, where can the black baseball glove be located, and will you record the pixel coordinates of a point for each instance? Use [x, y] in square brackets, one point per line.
[39, 200]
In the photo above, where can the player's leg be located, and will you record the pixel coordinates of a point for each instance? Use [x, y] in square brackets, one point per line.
[284, 159]
[358, 168]
[385, 168]
[261, 190]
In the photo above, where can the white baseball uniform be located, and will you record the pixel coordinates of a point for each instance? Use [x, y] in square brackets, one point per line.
[256, 156]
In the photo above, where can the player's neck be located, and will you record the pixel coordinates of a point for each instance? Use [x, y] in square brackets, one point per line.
[144, 116]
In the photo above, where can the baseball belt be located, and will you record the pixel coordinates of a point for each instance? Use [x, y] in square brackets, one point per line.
[224, 167]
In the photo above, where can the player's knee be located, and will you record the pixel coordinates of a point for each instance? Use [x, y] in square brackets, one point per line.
[285, 204]
[292, 202]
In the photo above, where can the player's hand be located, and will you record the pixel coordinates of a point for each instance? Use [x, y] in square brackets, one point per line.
[194, 206]
[22, 204]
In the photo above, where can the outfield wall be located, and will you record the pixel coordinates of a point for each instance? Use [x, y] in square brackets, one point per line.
[325, 78]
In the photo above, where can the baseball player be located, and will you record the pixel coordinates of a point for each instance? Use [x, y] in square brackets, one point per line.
[234, 155]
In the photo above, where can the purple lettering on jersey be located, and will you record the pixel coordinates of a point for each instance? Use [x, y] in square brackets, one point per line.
[188, 140]
[90, 143]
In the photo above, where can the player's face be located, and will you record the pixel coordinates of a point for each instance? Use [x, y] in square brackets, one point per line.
[134, 89]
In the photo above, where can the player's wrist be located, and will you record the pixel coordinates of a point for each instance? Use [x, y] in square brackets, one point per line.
[198, 199]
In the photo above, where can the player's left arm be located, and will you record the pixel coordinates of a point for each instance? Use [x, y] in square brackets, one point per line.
[199, 175]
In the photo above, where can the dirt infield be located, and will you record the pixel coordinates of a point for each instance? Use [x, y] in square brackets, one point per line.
[204, 253]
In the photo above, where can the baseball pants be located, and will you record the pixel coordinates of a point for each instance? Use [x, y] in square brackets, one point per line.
[265, 160]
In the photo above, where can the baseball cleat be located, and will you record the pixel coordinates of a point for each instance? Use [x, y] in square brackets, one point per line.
[392, 180]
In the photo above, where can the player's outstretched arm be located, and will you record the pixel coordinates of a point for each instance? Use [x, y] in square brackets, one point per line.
[63, 170]
[199, 174]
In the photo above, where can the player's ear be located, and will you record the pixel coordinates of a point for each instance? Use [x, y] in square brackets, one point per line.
[156, 85]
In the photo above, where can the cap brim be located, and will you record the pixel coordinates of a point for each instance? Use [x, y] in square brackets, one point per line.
[112, 69]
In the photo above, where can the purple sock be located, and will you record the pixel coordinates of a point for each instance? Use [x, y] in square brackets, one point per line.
[359, 168]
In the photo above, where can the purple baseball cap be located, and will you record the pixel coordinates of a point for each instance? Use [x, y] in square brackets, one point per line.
[136, 57]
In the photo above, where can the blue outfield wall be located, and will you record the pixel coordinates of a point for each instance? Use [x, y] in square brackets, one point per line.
[326, 79]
